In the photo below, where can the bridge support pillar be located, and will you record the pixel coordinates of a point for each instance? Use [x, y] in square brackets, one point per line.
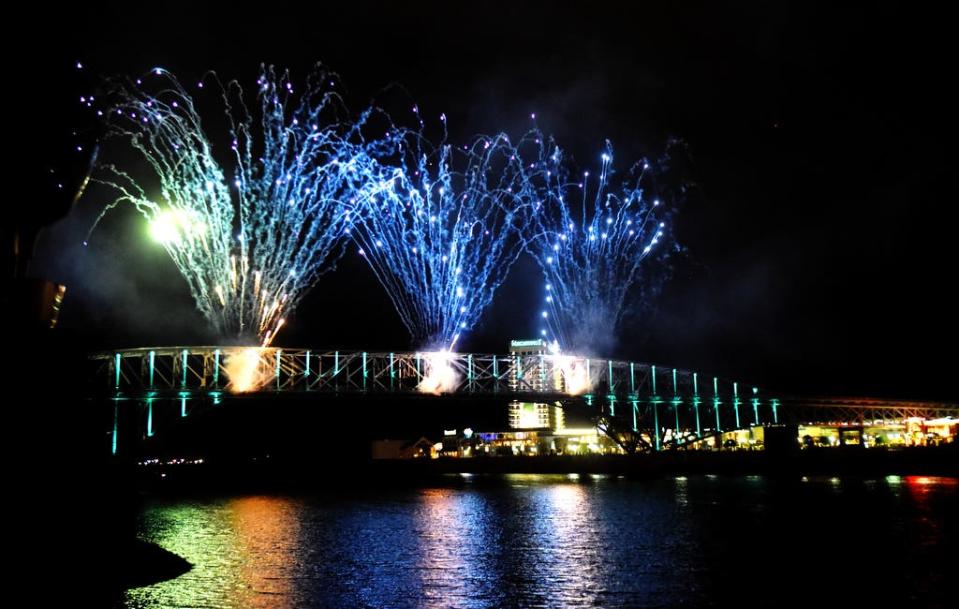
[116, 424]
[736, 403]
[656, 424]
[149, 417]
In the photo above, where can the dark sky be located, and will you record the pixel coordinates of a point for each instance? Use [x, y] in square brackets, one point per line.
[819, 238]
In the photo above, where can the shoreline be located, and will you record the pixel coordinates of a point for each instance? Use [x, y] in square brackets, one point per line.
[277, 475]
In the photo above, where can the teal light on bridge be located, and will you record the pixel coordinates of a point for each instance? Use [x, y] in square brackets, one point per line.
[306, 367]
[519, 367]
[612, 404]
[775, 404]
[185, 367]
[716, 403]
[655, 404]
[653, 377]
[116, 425]
[675, 386]
[116, 368]
[216, 368]
[336, 363]
[696, 403]
[736, 403]
[392, 364]
[152, 366]
[183, 396]
[150, 415]
[364, 370]
[609, 363]
[755, 406]
[632, 382]
[495, 368]
[635, 404]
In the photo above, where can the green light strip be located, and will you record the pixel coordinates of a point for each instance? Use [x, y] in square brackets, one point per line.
[736, 403]
[149, 417]
[116, 425]
[656, 423]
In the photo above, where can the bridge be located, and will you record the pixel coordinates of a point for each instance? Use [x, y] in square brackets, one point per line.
[630, 399]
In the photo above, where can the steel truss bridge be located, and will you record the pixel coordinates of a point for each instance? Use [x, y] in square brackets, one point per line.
[661, 406]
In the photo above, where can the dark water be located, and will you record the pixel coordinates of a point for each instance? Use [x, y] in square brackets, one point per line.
[563, 541]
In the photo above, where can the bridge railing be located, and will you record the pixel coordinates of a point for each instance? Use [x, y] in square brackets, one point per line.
[668, 405]
[176, 369]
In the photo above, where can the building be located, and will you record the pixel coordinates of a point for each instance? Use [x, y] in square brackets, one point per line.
[532, 371]
[536, 415]
[404, 449]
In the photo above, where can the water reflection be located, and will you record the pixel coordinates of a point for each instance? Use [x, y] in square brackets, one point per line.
[565, 548]
[451, 529]
[242, 550]
[556, 541]
[267, 528]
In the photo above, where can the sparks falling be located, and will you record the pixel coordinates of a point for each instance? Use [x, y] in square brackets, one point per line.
[442, 233]
[252, 239]
[593, 242]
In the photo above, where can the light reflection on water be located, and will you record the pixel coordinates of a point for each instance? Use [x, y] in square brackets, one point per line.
[558, 541]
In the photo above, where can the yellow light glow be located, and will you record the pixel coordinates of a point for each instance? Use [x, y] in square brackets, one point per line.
[575, 378]
[172, 225]
[248, 369]
[440, 376]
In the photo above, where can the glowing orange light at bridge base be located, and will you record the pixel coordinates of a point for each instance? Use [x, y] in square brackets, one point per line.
[247, 368]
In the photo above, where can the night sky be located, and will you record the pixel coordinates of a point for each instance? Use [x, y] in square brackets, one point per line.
[819, 240]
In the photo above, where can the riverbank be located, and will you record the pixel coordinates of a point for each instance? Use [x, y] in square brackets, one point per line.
[272, 473]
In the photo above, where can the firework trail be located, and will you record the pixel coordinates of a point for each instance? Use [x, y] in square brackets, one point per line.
[250, 242]
[594, 242]
[443, 231]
